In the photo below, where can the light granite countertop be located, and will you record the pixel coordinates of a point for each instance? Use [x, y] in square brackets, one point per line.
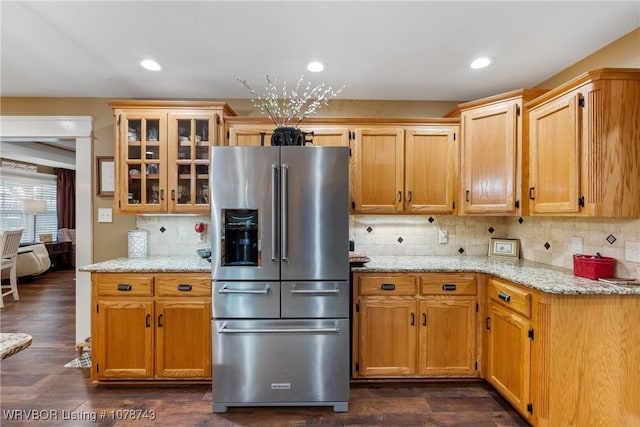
[534, 275]
[175, 264]
[538, 276]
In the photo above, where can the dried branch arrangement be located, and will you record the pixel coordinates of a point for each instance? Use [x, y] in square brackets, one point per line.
[289, 109]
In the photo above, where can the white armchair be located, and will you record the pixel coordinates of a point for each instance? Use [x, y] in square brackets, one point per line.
[32, 261]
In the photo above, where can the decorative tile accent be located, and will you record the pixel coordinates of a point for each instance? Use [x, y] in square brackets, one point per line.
[520, 220]
[547, 245]
[611, 239]
[400, 239]
[461, 250]
[162, 229]
[491, 230]
[369, 229]
[431, 219]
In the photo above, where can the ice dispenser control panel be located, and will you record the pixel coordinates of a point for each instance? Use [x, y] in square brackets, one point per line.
[240, 237]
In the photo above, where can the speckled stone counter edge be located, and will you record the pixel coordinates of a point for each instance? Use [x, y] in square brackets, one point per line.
[534, 275]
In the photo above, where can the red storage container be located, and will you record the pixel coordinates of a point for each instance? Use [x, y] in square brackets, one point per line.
[591, 267]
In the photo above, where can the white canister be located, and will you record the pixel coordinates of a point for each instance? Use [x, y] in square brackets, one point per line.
[137, 243]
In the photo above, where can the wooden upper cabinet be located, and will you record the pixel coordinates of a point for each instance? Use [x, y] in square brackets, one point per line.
[494, 143]
[585, 146]
[162, 155]
[250, 135]
[554, 172]
[406, 169]
[327, 136]
[379, 170]
[431, 169]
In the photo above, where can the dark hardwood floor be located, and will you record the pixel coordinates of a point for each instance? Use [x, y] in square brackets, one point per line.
[34, 383]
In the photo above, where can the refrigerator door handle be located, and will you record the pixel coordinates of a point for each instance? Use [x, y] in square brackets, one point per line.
[284, 196]
[314, 291]
[225, 290]
[274, 212]
[225, 329]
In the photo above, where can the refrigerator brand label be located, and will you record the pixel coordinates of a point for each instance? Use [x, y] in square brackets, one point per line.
[280, 386]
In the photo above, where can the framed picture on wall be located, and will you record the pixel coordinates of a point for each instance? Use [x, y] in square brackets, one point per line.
[504, 248]
[105, 171]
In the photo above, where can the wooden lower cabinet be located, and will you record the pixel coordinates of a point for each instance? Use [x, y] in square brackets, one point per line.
[447, 337]
[387, 344]
[509, 335]
[123, 344]
[183, 325]
[151, 326]
[509, 355]
[404, 328]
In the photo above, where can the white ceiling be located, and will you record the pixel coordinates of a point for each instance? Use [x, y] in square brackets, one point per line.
[411, 50]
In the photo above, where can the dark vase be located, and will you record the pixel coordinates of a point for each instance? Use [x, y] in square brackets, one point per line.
[287, 136]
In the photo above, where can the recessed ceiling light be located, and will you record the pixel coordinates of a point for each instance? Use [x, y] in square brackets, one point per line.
[151, 65]
[481, 62]
[315, 66]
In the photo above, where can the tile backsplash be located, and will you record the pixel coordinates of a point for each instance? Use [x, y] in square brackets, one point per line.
[173, 235]
[542, 239]
[617, 238]
[420, 235]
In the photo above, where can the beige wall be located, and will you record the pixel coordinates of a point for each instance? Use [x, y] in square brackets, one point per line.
[110, 239]
[622, 53]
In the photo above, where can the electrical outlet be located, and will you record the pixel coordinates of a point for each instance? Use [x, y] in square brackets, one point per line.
[576, 245]
[105, 215]
[443, 237]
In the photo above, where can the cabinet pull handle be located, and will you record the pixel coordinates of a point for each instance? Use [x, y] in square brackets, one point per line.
[531, 195]
[162, 194]
[147, 320]
[184, 287]
[487, 323]
[466, 196]
[410, 196]
[424, 319]
[173, 195]
[504, 296]
[388, 287]
[413, 319]
[448, 287]
[124, 287]
[399, 196]
[160, 320]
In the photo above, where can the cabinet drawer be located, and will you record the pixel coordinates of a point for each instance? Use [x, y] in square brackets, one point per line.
[514, 297]
[387, 285]
[124, 285]
[448, 284]
[183, 286]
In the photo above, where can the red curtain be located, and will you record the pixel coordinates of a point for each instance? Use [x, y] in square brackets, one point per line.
[66, 195]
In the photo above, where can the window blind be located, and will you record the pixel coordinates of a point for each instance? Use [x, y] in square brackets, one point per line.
[17, 186]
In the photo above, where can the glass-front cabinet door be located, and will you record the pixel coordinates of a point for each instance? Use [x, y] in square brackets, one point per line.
[191, 136]
[143, 153]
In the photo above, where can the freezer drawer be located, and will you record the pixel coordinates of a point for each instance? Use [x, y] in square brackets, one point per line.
[248, 300]
[315, 299]
[281, 363]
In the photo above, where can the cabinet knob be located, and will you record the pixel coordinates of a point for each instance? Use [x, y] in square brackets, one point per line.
[184, 287]
[448, 287]
[124, 287]
[387, 286]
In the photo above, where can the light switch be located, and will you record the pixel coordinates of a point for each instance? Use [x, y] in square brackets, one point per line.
[105, 215]
[443, 237]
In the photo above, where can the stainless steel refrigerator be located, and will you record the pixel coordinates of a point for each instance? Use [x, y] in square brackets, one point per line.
[280, 269]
